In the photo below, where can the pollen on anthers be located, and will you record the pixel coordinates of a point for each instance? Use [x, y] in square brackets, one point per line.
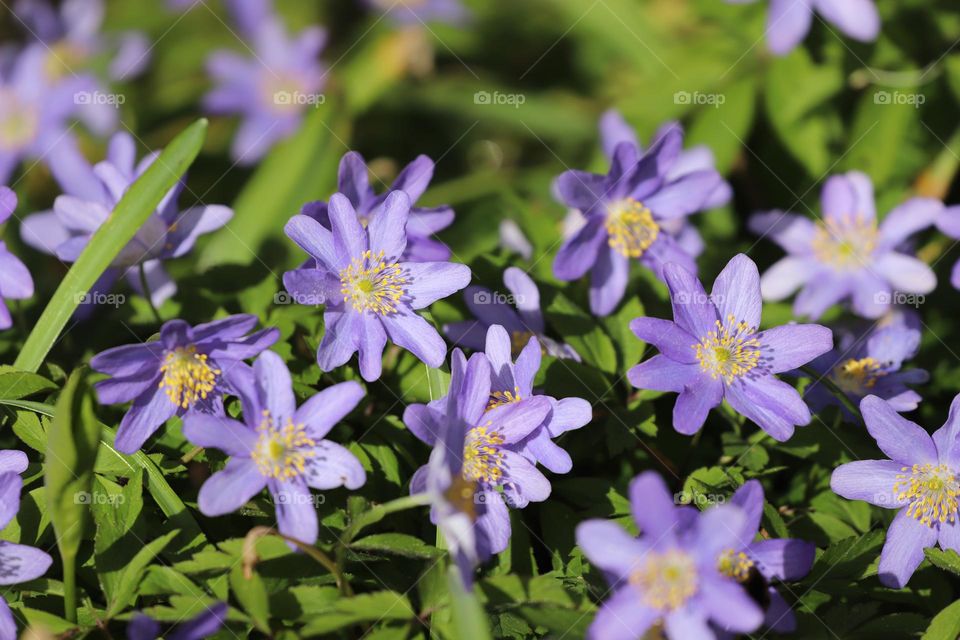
[482, 456]
[931, 491]
[729, 351]
[500, 398]
[630, 227]
[858, 374]
[371, 283]
[845, 242]
[187, 376]
[735, 564]
[667, 580]
[282, 450]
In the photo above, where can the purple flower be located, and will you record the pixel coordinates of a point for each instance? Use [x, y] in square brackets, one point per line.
[492, 308]
[271, 89]
[921, 479]
[168, 233]
[513, 383]
[625, 213]
[513, 240]
[15, 280]
[416, 12]
[183, 372]
[422, 223]
[669, 575]
[18, 563]
[847, 254]
[369, 292]
[35, 117]
[712, 351]
[789, 20]
[280, 447]
[71, 38]
[870, 364]
[210, 621]
[949, 223]
[483, 440]
[773, 559]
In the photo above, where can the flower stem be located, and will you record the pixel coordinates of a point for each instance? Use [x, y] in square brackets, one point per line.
[69, 587]
[145, 287]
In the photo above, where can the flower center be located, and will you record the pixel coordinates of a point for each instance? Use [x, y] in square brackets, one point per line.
[736, 565]
[730, 351]
[856, 375]
[187, 376]
[482, 457]
[370, 283]
[630, 227]
[283, 93]
[667, 579]
[282, 450]
[845, 243]
[461, 495]
[18, 122]
[62, 58]
[932, 492]
[500, 398]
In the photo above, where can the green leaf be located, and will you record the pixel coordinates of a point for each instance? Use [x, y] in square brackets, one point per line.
[948, 559]
[135, 207]
[397, 544]
[132, 573]
[115, 510]
[582, 332]
[945, 625]
[68, 475]
[252, 594]
[370, 607]
[469, 618]
[15, 384]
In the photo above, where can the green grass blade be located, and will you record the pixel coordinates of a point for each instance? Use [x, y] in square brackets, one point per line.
[136, 206]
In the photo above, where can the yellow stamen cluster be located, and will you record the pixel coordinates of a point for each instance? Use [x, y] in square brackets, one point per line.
[461, 495]
[630, 227]
[282, 450]
[667, 580]
[482, 457]
[932, 492]
[736, 565]
[371, 283]
[857, 375]
[187, 376]
[845, 242]
[730, 351]
[500, 398]
[18, 121]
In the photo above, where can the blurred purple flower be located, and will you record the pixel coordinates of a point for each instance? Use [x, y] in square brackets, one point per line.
[513, 240]
[18, 563]
[491, 308]
[416, 12]
[479, 438]
[869, 363]
[920, 480]
[712, 351]
[625, 213]
[370, 293]
[203, 626]
[280, 447]
[789, 21]
[783, 559]
[181, 373]
[15, 280]
[949, 224]
[422, 223]
[272, 88]
[669, 576]
[168, 233]
[847, 254]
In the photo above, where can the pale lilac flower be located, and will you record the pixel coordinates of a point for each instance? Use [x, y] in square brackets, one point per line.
[713, 351]
[847, 254]
[18, 563]
[789, 21]
[169, 233]
[625, 212]
[278, 446]
[513, 240]
[270, 88]
[670, 575]
[519, 314]
[475, 453]
[201, 627]
[423, 223]
[369, 292]
[921, 479]
[181, 373]
[15, 280]
[871, 363]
